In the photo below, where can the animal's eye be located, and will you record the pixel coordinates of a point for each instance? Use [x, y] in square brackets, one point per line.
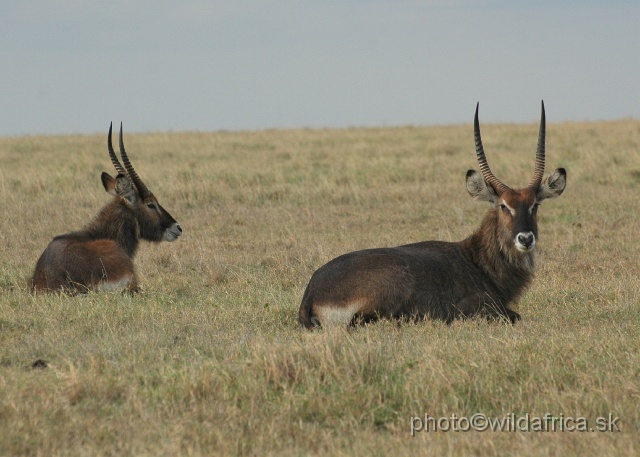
[505, 209]
[151, 205]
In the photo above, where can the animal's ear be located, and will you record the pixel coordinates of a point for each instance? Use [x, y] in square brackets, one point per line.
[109, 183]
[554, 185]
[124, 188]
[479, 189]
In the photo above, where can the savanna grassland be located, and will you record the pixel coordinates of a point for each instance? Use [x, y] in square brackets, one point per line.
[208, 359]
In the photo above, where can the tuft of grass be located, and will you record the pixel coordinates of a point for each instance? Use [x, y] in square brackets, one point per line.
[208, 359]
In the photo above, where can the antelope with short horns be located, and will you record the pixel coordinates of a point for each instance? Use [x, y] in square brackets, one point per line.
[481, 275]
[100, 256]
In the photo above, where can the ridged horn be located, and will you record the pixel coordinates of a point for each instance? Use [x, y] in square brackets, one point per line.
[488, 176]
[114, 158]
[144, 192]
[538, 171]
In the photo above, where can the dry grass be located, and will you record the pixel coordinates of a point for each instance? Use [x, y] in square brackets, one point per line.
[208, 358]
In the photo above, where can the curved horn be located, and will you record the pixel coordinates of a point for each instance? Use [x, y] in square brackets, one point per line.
[538, 172]
[488, 176]
[112, 154]
[144, 192]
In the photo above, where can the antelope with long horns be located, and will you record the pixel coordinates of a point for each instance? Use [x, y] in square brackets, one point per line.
[100, 256]
[481, 275]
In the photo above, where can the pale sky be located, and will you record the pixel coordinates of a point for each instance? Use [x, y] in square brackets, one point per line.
[74, 66]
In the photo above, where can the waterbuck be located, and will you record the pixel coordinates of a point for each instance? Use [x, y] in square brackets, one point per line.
[100, 256]
[478, 276]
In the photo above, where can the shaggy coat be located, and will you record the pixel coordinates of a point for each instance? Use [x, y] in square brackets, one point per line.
[481, 275]
[100, 256]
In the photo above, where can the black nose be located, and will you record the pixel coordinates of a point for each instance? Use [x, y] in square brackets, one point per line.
[179, 228]
[525, 239]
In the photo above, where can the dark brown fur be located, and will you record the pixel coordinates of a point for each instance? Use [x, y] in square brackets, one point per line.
[101, 254]
[481, 275]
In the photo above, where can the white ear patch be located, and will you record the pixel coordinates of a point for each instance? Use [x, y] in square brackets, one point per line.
[475, 184]
[478, 188]
[554, 185]
[125, 189]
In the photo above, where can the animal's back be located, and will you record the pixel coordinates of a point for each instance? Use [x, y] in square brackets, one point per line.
[414, 279]
[78, 263]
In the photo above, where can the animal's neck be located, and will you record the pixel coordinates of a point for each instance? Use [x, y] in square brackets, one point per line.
[116, 222]
[510, 270]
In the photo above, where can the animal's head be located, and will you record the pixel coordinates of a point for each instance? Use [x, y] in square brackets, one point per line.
[516, 208]
[155, 223]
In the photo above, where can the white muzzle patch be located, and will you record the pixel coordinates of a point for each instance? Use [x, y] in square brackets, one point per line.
[525, 241]
[173, 232]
